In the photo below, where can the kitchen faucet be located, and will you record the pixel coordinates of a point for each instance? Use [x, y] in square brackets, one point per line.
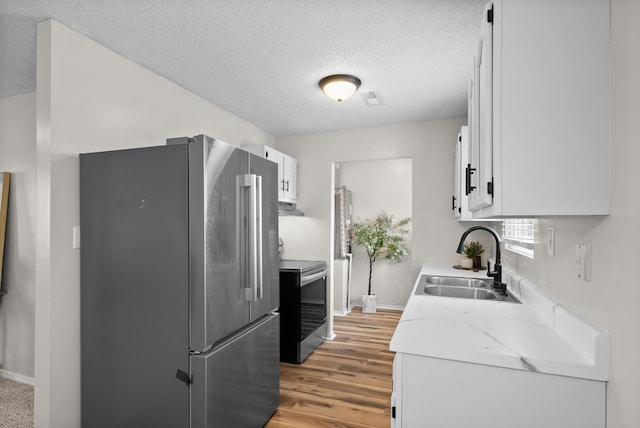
[496, 274]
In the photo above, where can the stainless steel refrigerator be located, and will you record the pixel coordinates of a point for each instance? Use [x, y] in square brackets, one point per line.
[179, 286]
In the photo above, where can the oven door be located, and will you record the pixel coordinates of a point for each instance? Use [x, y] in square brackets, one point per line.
[313, 298]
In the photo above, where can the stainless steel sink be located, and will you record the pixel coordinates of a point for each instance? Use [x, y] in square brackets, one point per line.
[461, 287]
[458, 281]
[463, 292]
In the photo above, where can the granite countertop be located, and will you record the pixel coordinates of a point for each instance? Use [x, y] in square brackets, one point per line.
[538, 335]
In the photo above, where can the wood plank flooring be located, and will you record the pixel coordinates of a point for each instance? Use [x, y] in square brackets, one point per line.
[346, 382]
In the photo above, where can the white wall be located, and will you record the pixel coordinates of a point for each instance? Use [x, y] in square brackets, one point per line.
[379, 185]
[17, 308]
[91, 99]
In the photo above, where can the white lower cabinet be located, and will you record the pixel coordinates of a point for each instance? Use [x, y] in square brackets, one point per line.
[438, 393]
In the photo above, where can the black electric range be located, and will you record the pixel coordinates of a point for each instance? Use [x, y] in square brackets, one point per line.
[303, 308]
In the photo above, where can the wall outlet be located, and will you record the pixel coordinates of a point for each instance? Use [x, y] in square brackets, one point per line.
[76, 237]
[582, 261]
[551, 241]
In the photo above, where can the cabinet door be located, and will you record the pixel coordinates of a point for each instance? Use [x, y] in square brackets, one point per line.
[473, 149]
[460, 201]
[462, 162]
[277, 157]
[396, 394]
[436, 390]
[457, 178]
[481, 151]
[288, 183]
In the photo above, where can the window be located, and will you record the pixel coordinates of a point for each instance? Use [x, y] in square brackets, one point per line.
[518, 235]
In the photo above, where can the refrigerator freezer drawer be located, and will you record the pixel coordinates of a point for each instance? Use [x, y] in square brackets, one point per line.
[244, 370]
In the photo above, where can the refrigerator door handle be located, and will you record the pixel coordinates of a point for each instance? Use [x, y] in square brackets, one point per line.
[258, 234]
[254, 183]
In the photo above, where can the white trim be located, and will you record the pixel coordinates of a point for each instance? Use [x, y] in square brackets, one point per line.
[342, 313]
[17, 377]
[333, 336]
[522, 250]
[391, 307]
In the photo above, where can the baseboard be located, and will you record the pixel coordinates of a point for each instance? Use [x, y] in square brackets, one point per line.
[331, 336]
[390, 307]
[17, 377]
[342, 313]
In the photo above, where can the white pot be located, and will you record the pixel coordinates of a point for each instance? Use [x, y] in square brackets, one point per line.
[466, 262]
[368, 303]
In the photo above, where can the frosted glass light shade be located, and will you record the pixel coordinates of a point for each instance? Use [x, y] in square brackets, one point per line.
[340, 87]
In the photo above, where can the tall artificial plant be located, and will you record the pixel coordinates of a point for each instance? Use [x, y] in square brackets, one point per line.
[382, 239]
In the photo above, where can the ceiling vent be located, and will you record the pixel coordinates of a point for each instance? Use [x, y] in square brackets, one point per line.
[371, 98]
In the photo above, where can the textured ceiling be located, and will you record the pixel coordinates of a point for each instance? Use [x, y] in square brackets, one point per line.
[262, 60]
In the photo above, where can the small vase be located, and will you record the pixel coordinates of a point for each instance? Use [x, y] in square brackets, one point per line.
[368, 303]
[477, 262]
[466, 263]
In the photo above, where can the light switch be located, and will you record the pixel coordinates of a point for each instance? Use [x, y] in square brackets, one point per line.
[76, 237]
[582, 261]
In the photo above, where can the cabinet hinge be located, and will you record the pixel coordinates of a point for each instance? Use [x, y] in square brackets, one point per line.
[490, 16]
[393, 412]
[490, 187]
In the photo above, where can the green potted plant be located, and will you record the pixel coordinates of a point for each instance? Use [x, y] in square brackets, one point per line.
[473, 251]
[382, 239]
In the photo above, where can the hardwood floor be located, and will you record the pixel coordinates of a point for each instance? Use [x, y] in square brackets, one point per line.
[346, 382]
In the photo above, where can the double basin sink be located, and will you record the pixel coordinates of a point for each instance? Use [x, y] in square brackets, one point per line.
[461, 287]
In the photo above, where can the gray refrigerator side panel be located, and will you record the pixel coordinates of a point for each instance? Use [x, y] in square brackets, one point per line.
[237, 384]
[218, 301]
[270, 301]
[134, 288]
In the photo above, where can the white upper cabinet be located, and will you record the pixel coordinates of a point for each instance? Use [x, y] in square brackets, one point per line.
[288, 183]
[539, 133]
[287, 171]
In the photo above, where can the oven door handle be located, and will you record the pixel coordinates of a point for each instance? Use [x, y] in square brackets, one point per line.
[310, 278]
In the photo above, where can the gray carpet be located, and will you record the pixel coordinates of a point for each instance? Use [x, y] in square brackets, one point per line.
[16, 404]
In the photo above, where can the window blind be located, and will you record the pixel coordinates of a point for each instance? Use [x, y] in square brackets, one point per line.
[518, 235]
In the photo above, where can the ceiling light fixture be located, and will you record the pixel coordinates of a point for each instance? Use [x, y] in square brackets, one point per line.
[340, 87]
